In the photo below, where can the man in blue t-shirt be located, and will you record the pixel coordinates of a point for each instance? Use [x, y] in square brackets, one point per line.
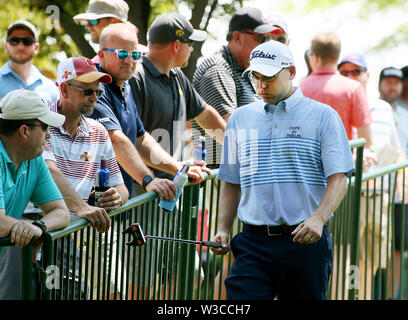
[24, 177]
[284, 163]
[19, 72]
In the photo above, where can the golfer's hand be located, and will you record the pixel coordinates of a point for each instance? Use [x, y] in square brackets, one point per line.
[222, 237]
[309, 231]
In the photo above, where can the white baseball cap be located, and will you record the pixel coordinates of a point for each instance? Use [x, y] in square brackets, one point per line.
[269, 58]
[98, 9]
[25, 104]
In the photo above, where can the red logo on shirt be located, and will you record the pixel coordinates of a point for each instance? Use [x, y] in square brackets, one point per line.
[86, 156]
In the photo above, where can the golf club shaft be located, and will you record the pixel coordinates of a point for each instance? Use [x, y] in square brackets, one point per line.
[205, 243]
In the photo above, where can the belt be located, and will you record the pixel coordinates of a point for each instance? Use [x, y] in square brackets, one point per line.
[272, 231]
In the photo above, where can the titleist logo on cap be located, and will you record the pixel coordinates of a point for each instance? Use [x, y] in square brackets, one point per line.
[262, 54]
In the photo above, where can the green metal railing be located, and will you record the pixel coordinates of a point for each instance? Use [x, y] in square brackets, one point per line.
[81, 264]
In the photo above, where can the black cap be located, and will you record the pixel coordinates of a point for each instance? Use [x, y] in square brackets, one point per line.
[405, 72]
[391, 72]
[251, 19]
[173, 26]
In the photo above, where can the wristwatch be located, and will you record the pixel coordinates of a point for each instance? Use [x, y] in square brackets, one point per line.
[41, 225]
[147, 179]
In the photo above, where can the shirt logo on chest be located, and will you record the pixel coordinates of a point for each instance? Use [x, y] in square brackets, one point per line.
[293, 133]
[86, 156]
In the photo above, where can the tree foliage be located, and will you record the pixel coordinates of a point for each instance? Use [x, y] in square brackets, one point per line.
[61, 36]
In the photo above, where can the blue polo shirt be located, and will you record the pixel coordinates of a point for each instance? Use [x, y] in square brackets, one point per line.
[43, 86]
[31, 182]
[281, 156]
[116, 110]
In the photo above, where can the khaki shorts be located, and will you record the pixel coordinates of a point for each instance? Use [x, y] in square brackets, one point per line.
[374, 229]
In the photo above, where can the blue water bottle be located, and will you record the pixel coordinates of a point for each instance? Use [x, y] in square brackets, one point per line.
[102, 179]
[200, 153]
[180, 179]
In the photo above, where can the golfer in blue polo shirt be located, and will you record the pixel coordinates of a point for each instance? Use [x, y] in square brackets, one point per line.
[285, 161]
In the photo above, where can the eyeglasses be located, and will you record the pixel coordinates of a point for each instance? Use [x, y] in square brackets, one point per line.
[260, 38]
[255, 78]
[123, 54]
[15, 41]
[93, 22]
[188, 41]
[353, 73]
[43, 126]
[87, 92]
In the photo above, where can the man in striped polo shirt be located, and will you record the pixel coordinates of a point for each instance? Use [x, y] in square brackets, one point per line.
[218, 78]
[284, 164]
[74, 150]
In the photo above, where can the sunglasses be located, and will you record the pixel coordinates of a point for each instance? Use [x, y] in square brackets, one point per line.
[15, 41]
[188, 41]
[123, 54]
[43, 126]
[260, 38]
[93, 22]
[353, 73]
[87, 92]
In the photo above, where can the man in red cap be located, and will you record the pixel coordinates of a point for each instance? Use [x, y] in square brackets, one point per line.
[74, 150]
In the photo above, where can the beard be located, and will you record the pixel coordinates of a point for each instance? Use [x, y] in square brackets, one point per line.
[87, 110]
[21, 58]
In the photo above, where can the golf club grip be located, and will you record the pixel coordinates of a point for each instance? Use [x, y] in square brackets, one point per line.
[212, 244]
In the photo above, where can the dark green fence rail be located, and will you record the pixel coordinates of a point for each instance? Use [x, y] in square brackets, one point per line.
[79, 263]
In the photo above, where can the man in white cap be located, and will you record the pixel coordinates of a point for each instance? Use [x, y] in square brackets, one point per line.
[284, 146]
[101, 13]
[24, 176]
[21, 46]
[74, 150]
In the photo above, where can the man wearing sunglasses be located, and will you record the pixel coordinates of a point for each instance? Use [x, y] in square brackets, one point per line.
[326, 85]
[116, 110]
[384, 133]
[165, 98]
[218, 78]
[19, 72]
[101, 13]
[74, 149]
[24, 177]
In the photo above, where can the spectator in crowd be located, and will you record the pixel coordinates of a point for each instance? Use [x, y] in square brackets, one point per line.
[404, 94]
[285, 248]
[278, 21]
[101, 13]
[24, 121]
[385, 140]
[326, 85]
[19, 72]
[74, 149]
[164, 97]
[390, 88]
[218, 78]
[116, 110]
[306, 56]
